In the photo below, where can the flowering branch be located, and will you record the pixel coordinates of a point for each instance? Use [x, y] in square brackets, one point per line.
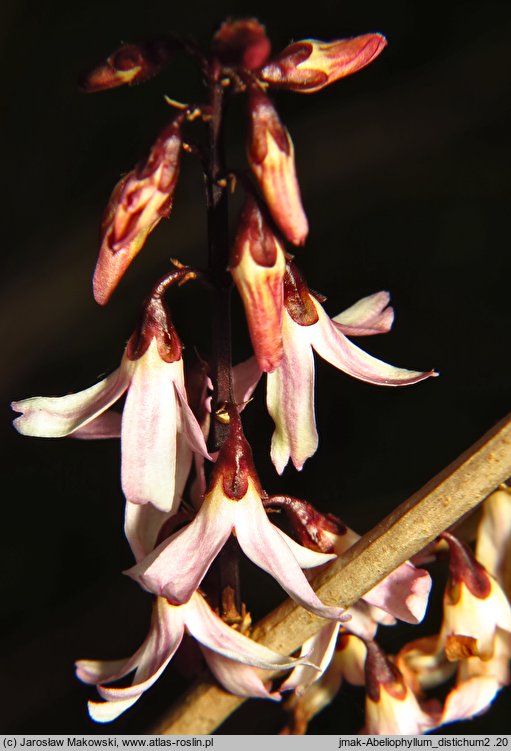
[447, 497]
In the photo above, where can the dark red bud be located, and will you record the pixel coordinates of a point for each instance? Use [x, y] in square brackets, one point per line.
[264, 120]
[309, 525]
[242, 44]
[464, 569]
[131, 63]
[156, 324]
[297, 298]
[254, 230]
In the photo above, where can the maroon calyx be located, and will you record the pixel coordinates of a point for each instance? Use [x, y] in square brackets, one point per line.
[242, 43]
[254, 230]
[264, 120]
[464, 569]
[381, 672]
[155, 323]
[297, 298]
[309, 525]
[235, 464]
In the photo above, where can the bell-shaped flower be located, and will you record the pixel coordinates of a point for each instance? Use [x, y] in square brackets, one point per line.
[290, 387]
[270, 154]
[391, 706]
[474, 606]
[257, 267]
[131, 63]
[177, 566]
[138, 202]
[168, 625]
[159, 431]
[309, 65]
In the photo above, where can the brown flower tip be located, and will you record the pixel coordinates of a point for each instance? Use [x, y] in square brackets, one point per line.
[257, 267]
[297, 298]
[270, 155]
[310, 525]
[380, 673]
[458, 647]
[235, 465]
[131, 63]
[138, 202]
[464, 569]
[155, 323]
[310, 65]
[242, 43]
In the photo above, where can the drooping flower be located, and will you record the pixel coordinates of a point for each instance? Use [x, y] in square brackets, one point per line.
[138, 202]
[309, 65]
[257, 267]
[270, 154]
[290, 387]
[159, 431]
[177, 566]
[218, 642]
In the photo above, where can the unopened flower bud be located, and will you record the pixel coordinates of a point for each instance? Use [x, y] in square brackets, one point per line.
[310, 65]
[131, 63]
[257, 266]
[138, 202]
[270, 154]
[242, 43]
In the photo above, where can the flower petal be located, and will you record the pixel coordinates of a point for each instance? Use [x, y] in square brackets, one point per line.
[370, 315]
[189, 425]
[245, 376]
[290, 398]
[142, 524]
[319, 650]
[58, 416]
[149, 426]
[238, 679]
[106, 425]
[264, 545]
[403, 593]
[205, 626]
[177, 566]
[333, 347]
[305, 557]
[469, 698]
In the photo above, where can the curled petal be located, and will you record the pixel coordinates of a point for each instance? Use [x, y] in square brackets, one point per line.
[305, 557]
[177, 566]
[403, 593]
[319, 650]
[58, 416]
[370, 315]
[238, 679]
[290, 399]
[333, 347]
[213, 633]
[264, 545]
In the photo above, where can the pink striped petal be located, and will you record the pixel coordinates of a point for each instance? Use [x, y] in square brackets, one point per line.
[238, 679]
[142, 524]
[188, 424]
[205, 626]
[177, 566]
[370, 315]
[333, 347]
[290, 398]
[106, 425]
[149, 426]
[305, 557]
[58, 416]
[264, 545]
[404, 593]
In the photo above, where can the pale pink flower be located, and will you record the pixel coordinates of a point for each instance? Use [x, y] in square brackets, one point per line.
[218, 642]
[159, 431]
[290, 387]
[177, 566]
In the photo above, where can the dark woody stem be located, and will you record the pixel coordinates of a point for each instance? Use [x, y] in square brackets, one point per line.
[218, 248]
[221, 284]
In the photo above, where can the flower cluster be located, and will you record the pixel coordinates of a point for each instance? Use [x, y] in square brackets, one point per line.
[194, 501]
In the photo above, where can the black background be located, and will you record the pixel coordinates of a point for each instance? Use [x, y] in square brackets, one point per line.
[404, 170]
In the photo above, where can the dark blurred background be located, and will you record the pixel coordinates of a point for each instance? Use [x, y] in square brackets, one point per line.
[404, 170]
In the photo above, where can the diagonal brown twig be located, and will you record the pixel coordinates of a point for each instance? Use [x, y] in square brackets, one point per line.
[440, 503]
